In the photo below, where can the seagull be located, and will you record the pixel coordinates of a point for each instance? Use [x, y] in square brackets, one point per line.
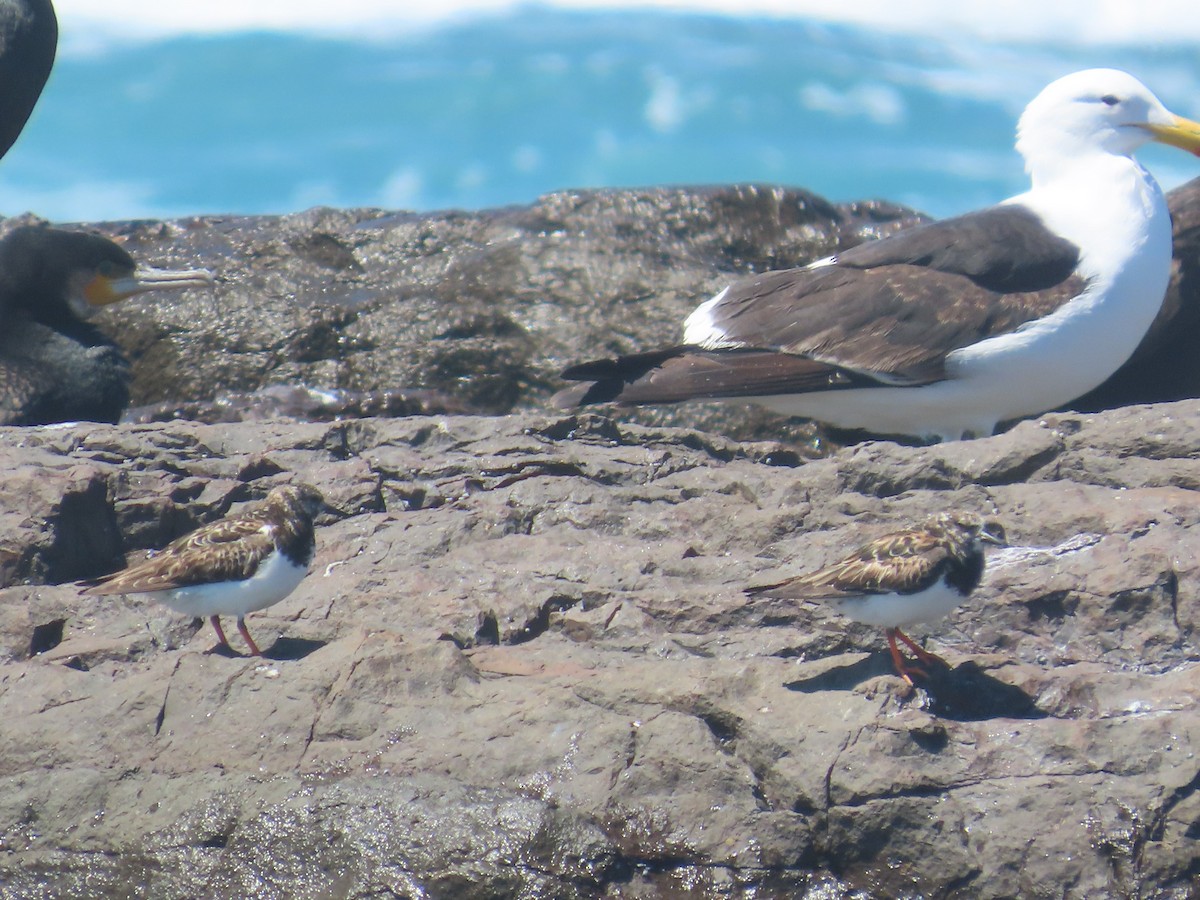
[232, 566]
[54, 365]
[915, 575]
[945, 330]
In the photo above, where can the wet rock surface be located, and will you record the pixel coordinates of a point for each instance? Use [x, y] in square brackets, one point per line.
[481, 310]
[396, 313]
[523, 665]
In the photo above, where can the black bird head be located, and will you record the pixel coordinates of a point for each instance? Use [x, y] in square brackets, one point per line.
[56, 277]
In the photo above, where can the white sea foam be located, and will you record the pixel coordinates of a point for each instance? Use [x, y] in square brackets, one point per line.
[403, 189]
[852, 119]
[1071, 22]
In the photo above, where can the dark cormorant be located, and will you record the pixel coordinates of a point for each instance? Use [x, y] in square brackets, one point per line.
[54, 365]
[28, 40]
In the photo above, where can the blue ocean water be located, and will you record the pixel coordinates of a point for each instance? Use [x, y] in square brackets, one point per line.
[498, 109]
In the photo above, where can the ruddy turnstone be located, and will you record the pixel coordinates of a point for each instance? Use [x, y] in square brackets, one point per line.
[916, 575]
[944, 330]
[54, 365]
[233, 566]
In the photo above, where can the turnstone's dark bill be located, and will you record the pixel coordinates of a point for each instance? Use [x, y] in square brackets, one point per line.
[902, 578]
[54, 365]
[945, 330]
[233, 566]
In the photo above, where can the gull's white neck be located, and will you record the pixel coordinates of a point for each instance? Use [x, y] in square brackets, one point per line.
[1109, 207]
[1115, 213]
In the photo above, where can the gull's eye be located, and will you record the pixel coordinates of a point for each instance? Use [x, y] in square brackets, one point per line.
[1110, 100]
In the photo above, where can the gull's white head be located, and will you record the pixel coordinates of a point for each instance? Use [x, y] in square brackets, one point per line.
[1103, 111]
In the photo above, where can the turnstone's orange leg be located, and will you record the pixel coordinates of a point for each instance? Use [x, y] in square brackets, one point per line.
[254, 651]
[920, 652]
[216, 623]
[898, 660]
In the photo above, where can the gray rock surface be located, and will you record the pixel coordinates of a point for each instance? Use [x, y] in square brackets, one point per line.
[523, 664]
[523, 667]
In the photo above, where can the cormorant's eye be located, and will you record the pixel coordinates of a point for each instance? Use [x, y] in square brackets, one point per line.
[1110, 100]
[109, 269]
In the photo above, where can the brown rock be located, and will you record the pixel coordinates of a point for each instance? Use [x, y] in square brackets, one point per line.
[523, 666]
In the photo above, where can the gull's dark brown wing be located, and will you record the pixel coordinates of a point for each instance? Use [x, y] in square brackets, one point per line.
[883, 313]
[686, 373]
[895, 322]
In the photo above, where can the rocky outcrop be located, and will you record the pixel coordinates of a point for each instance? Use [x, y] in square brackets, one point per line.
[461, 311]
[480, 311]
[523, 665]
